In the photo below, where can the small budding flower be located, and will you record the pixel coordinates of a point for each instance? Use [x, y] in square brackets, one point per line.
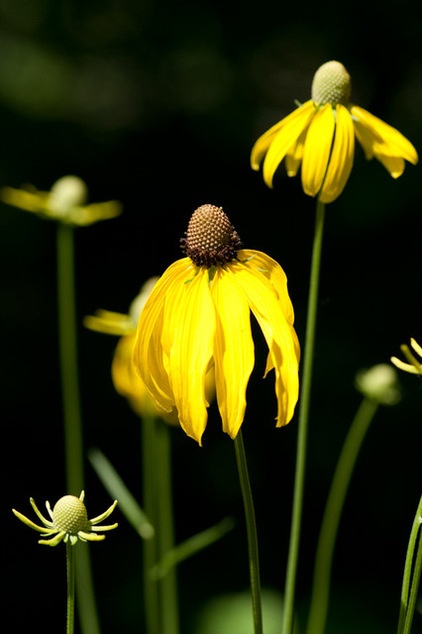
[414, 365]
[198, 319]
[69, 521]
[319, 136]
[66, 202]
[380, 384]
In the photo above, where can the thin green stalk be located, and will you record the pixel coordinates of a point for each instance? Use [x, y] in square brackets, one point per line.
[251, 532]
[70, 573]
[71, 412]
[306, 381]
[331, 518]
[411, 575]
[149, 484]
[165, 529]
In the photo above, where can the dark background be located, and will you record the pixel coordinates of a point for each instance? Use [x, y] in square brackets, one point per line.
[158, 105]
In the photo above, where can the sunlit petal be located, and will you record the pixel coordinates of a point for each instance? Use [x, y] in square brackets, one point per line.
[234, 349]
[341, 159]
[188, 337]
[284, 140]
[317, 150]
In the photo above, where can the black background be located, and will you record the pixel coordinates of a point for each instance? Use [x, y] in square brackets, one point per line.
[158, 105]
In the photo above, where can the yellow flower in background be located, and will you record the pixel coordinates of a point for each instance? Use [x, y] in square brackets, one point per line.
[319, 136]
[65, 202]
[126, 380]
[68, 521]
[198, 316]
[414, 365]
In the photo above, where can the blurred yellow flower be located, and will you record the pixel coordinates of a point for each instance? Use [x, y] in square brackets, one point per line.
[126, 379]
[198, 317]
[320, 136]
[65, 202]
[414, 365]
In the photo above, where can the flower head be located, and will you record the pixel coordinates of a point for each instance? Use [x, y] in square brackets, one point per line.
[414, 365]
[379, 383]
[69, 521]
[319, 136]
[126, 380]
[65, 202]
[198, 317]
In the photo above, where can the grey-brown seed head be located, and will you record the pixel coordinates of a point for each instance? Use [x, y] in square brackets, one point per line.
[210, 238]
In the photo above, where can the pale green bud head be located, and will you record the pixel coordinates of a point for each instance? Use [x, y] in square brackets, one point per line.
[379, 383]
[70, 515]
[331, 84]
[67, 193]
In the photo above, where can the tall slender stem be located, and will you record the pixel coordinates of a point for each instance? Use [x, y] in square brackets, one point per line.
[149, 485]
[331, 519]
[251, 532]
[70, 573]
[168, 585]
[293, 555]
[411, 575]
[72, 412]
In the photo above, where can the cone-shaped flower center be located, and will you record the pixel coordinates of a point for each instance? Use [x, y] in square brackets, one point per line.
[210, 238]
[69, 514]
[331, 84]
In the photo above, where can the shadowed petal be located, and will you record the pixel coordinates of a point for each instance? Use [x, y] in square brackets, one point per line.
[233, 350]
[148, 349]
[279, 334]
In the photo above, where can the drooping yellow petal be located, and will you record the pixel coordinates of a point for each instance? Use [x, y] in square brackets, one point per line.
[233, 349]
[294, 155]
[262, 262]
[341, 159]
[317, 150]
[381, 140]
[187, 338]
[148, 349]
[279, 334]
[285, 139]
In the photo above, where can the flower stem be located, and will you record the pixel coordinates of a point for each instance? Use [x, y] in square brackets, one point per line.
[289, 597]
[70, 572]
[251, 532]
[168, 585]
[332, 514]
[149, 478]
[71, 411]
[411, 575]
[161, 597]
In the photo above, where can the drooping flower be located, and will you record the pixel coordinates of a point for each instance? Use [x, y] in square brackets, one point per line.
[65, 202]
[198, 316]
[69, 521]
[126, 380]
[319, 136]
[414, 365]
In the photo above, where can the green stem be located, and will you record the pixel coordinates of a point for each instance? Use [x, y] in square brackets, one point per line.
[71, 411]
[70, 572]
[332, 514]
[411, 576]
[289, 596]
[149, 484]
[165, 529]
[251, 532]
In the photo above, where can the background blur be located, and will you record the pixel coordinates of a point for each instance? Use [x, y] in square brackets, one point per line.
[158, 105]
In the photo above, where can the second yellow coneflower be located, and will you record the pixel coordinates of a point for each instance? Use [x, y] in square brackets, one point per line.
[319, 136]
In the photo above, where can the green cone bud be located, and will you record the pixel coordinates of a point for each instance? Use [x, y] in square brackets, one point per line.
[331, 84]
